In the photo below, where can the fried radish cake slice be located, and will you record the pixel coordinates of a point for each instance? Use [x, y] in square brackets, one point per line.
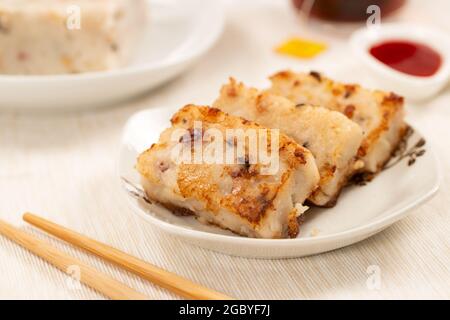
[333, 139]
[380, 114]
[245, 194]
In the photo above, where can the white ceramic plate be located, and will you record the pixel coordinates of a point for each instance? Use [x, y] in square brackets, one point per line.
[361, 212]
[179, 33]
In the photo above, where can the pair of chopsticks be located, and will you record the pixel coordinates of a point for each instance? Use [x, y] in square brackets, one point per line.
[95, 279]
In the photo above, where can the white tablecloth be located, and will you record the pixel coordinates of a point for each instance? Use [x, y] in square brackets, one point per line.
[63, 166]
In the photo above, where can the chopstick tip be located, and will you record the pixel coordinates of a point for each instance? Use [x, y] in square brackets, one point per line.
[27, 216]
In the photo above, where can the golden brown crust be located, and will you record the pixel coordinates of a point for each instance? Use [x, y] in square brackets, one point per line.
[251, 206]
[190, 113]
[293, 224]
[177, 210]
[388, 104]
[240, 189]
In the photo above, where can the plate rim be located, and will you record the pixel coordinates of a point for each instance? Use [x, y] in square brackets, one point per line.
[368, 229]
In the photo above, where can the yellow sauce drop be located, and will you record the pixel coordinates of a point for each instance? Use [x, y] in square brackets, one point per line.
[301, 48]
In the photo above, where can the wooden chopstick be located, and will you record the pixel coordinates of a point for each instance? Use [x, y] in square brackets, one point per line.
[88, 275]
[158, 276]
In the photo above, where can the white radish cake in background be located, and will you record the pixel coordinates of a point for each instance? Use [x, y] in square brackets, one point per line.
[39, 37]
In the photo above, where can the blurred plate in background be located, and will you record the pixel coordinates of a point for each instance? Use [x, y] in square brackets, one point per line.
[179, 33]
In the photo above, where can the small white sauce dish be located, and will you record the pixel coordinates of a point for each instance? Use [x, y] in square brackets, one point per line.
[412, 87]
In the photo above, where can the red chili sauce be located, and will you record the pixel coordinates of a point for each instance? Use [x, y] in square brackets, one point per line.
[412, 58]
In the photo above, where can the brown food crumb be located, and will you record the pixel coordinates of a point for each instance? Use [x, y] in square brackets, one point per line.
[316, 75]
[300, 155]
[231, 92]
[178, 211]
[293, 225]
[163, 166]
[349, 111]
[213, 112]
[196, 134]
[349, 90]
[393, 98]
[283, 74]
[336, 92]
[361, 179]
